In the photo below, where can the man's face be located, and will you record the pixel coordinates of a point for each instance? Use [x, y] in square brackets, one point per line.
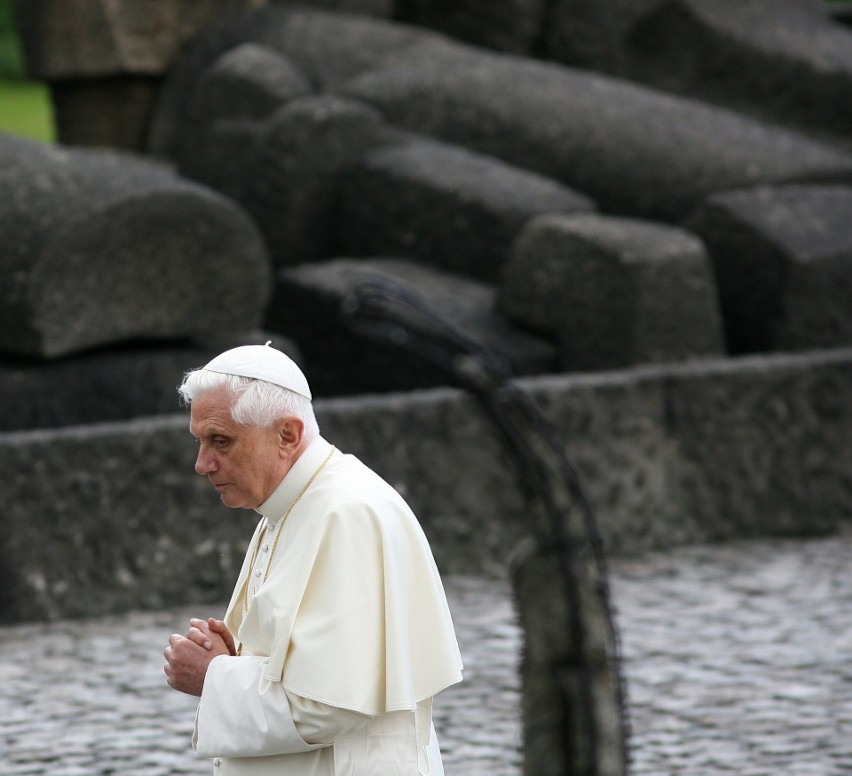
[243, 463]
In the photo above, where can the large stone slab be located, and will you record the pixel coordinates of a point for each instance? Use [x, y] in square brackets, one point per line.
[612, 291]
[306, 306]
[443, 205]
[783, 260]
[99, 248]
[293, 179]
[634, 150]
[782, 60]
[223, 120]
[111, 517]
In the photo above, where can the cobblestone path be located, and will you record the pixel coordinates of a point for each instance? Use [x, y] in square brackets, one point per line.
[738, 660]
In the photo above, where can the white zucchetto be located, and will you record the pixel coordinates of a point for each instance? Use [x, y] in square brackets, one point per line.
[262, 362]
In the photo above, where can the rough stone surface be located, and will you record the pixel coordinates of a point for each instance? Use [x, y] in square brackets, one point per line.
[329, 48]
[782, 60]
[306, 306]
[507, 25]
[735, 448]
[109, 384]
[613, 291]
[783, 259]
[443, 205]
[100, 248]
[635, 151]
[293, 183]
[593, 35]
[240, 90]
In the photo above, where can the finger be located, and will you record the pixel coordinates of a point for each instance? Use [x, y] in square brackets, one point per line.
[200, 638]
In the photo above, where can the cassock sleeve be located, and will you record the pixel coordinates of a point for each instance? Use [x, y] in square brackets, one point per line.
[243, 714]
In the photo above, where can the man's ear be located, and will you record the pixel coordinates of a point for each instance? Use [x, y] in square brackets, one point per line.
[290, 436]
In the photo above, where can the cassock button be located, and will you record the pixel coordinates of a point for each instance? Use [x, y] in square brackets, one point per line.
[265, 548]
[217, 762]
[257, 573]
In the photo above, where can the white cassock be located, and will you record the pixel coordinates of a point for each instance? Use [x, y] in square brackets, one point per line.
[346, 638]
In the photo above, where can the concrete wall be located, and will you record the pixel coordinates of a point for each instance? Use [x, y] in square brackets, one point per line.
[106, 517]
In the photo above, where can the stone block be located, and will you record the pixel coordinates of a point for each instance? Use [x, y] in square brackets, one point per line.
[223, 120]
[329, 48]
[785, 61]
[613, 292]
[636, 151]
[443, 205]
[293, 182]
[101, 248]
[783, 262]
[306, 307]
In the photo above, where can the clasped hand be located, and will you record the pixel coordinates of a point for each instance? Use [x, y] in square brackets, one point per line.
[188, 657]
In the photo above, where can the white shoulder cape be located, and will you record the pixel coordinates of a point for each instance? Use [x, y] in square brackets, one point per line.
[353, 612]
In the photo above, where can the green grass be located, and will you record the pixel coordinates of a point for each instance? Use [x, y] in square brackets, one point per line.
[25, 109]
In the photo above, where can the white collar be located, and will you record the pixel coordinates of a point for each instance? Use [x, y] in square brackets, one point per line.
[289, 489]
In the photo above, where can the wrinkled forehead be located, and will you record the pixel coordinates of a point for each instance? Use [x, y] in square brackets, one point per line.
[212, 410]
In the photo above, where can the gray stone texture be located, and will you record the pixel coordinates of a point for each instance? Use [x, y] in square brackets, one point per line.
[306, 305]
[783, 262]
[225, 115]
[505, 25]
[293, 181]
[100, 248]
[613, 292]
[636, 151]
[785, 61]
[110, 383]
[443, 205]
[669, 455]
[592, 35]
[328, 48]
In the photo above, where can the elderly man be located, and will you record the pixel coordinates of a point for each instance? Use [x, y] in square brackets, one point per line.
[338, 633]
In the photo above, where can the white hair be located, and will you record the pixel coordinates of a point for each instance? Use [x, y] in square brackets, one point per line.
[257, 402]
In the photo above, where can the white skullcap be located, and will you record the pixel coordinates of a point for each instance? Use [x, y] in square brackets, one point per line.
[262, 362]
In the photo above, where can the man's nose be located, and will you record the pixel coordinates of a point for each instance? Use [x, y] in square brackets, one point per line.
[204, 463]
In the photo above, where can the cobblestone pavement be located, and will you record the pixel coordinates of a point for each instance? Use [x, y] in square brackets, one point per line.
[738, 660]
